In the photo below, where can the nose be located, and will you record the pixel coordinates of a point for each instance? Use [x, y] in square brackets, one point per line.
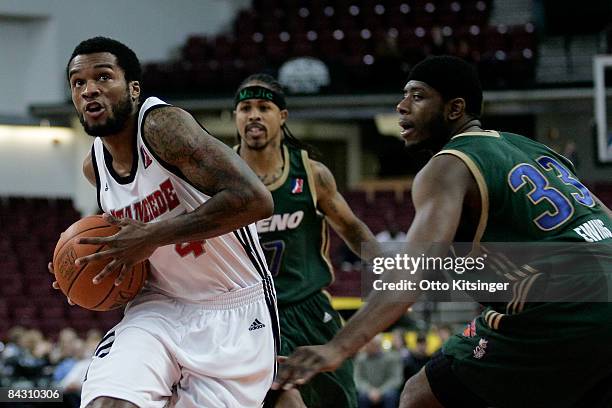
[254, 115]
[90, 89]
[401, 107]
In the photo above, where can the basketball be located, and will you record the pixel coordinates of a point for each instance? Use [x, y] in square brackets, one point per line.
[76, 281]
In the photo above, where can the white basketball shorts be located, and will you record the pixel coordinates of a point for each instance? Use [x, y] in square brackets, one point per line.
[169, 353]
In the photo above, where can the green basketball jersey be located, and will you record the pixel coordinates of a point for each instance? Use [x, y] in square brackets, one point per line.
[296, 238]
[536, 354]
[529, 192]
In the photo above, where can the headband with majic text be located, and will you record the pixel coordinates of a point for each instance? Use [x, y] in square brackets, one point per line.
[260, 92]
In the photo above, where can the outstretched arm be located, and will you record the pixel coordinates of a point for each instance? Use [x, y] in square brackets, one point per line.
[438, 194]
[237, 196]
[337, 211]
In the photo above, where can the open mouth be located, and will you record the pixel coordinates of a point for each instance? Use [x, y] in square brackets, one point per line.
[94, 109]
[407, 128]
[254, 129]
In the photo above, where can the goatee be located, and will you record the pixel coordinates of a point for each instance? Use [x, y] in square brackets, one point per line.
[120, 114]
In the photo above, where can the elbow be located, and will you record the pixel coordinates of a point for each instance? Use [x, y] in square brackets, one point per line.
[255, 203]
[263, 203]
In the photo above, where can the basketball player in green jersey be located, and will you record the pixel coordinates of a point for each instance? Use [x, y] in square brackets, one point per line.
[295, 238]
[492, 186]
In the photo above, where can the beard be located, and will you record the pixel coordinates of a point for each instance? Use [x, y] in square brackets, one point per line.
[120, 114]
[256, 146]
[439, 132]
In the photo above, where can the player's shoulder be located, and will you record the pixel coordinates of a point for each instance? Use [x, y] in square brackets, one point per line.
[320, 171]
[167, 125]
[317, 166]
[323, 179]
[163, 117]
[442, 172]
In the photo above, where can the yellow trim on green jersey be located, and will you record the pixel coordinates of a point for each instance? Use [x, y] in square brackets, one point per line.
[310, 176]
[325, 248]
[489, 133]
[482, 187]
[286, 167]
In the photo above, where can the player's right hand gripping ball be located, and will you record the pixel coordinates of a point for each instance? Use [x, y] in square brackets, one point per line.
[76, 281]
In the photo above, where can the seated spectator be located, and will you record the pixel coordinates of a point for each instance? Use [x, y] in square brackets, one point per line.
[11, 354]
[72, 381]
[444, 332]
[66, 336]
[398, 344]
[392, 232]
[347, 259]
[417, 358]
[378, 376]
[71, 352]
[30, 364]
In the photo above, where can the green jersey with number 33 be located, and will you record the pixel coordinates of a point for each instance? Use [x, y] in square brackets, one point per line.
[529, 193]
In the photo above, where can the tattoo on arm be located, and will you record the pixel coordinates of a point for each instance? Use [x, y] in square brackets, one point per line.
[326, 188]
[332, 204]
[237, 198]
[179, 140]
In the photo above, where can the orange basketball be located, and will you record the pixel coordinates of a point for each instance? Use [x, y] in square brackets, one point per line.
[76, 281]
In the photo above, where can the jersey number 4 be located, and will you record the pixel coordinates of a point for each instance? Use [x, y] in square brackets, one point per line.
[563, 208]
[194, 247]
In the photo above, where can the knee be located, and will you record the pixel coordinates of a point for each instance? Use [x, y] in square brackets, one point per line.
[108, 402]
[409, 393]
[417, 393]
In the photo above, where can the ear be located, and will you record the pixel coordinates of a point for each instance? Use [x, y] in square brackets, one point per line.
[284, 115]
[134, 90]
[455, 108]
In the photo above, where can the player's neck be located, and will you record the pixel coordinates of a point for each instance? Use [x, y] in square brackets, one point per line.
[267, 163]
[470, 125]
[271, 156]
[121, 146]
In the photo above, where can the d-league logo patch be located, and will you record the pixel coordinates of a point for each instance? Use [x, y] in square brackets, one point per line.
[256, 325]
[297, 185]
[146, 160]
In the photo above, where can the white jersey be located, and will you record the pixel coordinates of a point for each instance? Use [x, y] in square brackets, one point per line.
[155, 191]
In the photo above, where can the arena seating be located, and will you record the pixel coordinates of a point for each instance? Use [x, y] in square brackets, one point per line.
[363, 42]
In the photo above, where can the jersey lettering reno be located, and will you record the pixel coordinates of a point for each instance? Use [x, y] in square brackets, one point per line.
[155, 191]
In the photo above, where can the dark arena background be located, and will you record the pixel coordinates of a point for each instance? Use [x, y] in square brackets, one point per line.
[343, 63]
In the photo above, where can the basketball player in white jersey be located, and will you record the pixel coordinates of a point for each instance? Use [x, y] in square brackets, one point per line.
[203, 332]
